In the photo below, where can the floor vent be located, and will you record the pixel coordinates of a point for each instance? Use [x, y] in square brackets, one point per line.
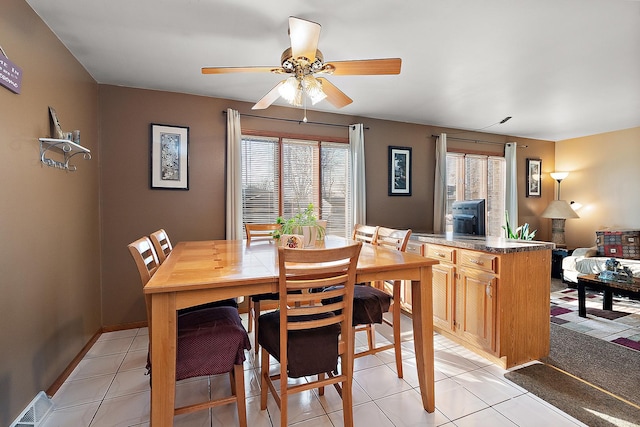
[35, 413]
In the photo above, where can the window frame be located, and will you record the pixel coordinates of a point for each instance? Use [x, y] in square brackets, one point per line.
[282, 138]
[460, 184]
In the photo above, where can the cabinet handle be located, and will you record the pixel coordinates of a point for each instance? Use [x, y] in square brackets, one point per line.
[475, 261]
[440, 254]
[488, 290]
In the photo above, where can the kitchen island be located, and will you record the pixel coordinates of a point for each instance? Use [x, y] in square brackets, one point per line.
[491, 294]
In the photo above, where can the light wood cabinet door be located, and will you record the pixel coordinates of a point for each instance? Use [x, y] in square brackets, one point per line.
[476, 296]
[443, 292]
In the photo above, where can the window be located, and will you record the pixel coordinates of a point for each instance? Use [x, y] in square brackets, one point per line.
[475, 176]
[283, 175]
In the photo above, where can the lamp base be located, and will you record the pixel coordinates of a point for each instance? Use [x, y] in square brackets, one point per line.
[557, 231]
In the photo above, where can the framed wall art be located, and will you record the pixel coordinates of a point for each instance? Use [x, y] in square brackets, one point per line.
[169, 157]
[534, 175]
[399, 171]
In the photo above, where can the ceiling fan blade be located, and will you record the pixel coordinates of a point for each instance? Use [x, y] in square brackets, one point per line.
[365, 67]
[269, 98]
[334, 95]
[226, 70]
[304, 38]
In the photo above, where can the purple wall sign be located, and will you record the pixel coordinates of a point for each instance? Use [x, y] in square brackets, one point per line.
[10, 75]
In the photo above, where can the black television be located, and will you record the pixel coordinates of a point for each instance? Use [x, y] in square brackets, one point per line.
[469, 217]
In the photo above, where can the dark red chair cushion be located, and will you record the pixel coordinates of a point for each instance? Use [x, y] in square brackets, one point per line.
[210, 342]
[369, 304]
[309, 351]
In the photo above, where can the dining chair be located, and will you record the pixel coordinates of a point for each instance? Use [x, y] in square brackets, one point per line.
[372, 300]
[396, 240]
[307, 338]
[365, 233]
[256, 231]
[260, 231]
[210, 341]
[161, 243]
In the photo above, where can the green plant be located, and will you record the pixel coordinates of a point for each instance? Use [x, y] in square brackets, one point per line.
[520, 233]
[306, 217]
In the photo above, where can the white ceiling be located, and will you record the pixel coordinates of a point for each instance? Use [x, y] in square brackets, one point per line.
[560, 68]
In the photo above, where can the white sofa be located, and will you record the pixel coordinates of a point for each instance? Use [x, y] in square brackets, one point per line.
[584, 261]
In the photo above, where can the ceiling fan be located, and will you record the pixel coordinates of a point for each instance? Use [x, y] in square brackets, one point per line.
[302, 62]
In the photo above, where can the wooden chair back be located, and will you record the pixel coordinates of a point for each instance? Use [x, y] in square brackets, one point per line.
[365, 233]
[147, 262]
[303, 272]
[261, 231]
[392, 238]
[161, 243]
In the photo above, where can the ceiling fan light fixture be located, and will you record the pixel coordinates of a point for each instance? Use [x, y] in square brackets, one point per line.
[291, 91]
[313, 88]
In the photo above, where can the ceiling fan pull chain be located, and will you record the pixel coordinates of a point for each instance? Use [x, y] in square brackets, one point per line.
[304, 101]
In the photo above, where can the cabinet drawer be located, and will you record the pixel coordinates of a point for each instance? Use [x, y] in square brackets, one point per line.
[441, 253]
[479, 260]
[415, 248]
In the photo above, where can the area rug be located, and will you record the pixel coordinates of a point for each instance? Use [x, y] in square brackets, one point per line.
[592, 380]
[624, 313]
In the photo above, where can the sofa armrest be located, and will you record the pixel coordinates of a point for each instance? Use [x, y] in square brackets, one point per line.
[585, 252]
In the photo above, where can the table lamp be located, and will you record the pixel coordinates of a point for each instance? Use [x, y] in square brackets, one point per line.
[559, 211]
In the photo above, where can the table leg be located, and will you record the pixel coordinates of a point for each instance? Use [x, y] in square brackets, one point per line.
[422, 308]
[607, 299]
[163, 359]
[582, 308]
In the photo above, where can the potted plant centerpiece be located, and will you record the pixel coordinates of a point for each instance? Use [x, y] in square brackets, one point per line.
[305, 223]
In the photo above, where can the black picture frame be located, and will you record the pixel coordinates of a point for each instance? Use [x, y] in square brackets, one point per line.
[169, 157]
[534, 178]
[399, 171]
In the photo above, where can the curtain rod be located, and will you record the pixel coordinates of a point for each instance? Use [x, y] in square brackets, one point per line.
[300, 122]
[478, 141]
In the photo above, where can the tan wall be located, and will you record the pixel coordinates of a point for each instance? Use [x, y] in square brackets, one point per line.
[603, 177]
[49, 256]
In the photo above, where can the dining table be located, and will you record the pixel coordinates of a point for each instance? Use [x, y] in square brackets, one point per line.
[198, 272]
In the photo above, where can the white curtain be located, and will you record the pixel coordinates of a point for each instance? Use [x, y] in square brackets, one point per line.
[440, 186]
[511, 190]
[358, 183]
[234, 176]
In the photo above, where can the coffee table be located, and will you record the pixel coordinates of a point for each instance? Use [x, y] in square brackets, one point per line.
[631, 290]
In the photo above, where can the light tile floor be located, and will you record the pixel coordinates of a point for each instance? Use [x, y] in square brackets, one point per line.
[109, 388]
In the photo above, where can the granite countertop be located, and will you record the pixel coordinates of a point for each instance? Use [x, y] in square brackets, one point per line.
[498, 245]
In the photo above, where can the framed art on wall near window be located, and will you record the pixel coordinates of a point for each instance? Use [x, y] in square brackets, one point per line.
[399, 171]
[169, 157]
[534, 174]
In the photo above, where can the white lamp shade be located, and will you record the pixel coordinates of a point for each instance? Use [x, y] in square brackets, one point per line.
[559, 209]
[559, 176]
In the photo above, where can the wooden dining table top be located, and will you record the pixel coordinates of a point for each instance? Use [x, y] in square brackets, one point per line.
[206, 264]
